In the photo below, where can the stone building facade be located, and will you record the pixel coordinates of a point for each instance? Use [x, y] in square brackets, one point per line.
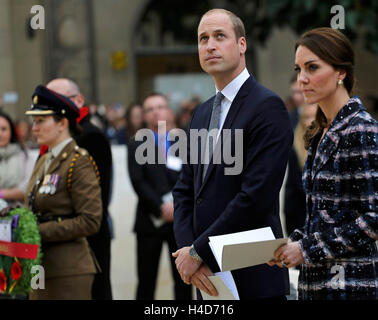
[116, 49]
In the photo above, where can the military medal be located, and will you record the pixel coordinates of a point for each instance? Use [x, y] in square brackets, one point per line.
[43, 188]
[49, 184]
[55, 178]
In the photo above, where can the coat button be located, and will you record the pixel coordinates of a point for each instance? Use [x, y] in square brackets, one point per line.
[199, 201]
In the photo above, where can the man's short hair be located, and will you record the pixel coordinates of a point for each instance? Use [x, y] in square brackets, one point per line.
[154, 94]
[237, 23]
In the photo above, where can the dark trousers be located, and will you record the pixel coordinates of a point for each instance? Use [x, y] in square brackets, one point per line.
[100, 244]
[148, 256]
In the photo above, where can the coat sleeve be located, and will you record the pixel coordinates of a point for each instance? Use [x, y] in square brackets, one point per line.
[87, 204]
[294, 195]
[335, 242]
[99, 148]
[183, 199]
[146, 194]
[267, 142]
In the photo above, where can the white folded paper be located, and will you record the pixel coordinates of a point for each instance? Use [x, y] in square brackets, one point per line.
[244, 249]
[225, 285]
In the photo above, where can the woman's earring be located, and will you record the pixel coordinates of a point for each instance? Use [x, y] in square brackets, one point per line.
[340, 82]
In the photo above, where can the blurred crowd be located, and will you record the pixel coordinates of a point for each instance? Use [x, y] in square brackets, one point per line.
[119, 122]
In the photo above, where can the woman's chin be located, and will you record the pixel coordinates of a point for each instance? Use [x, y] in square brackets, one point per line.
[310, 100]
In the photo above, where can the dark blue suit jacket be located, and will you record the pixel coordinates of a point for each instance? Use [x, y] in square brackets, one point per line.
[231, 203]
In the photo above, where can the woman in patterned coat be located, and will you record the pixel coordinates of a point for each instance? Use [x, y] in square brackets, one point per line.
[337, 246]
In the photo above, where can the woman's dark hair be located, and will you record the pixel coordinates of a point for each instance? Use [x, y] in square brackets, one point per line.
[130, 128]
[14, 138]
[334, 48]
[73, 127]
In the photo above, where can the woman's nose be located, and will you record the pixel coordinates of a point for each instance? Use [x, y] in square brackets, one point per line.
[302, 77]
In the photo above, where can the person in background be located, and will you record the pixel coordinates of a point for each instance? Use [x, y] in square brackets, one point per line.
[95, 117]
[153, 183]
[95, 142]
[65, 195]
[24, 134]
[297, 101]
[336, 247]
[115, 121]
[16, 164]
[134, 121]
[185, 112]
[294, 195]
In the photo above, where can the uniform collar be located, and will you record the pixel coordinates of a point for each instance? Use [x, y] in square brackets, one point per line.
[58, 148]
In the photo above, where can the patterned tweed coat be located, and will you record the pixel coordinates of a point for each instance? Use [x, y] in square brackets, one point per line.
[341, 184]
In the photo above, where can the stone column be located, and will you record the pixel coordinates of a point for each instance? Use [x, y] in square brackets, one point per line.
[6, 57]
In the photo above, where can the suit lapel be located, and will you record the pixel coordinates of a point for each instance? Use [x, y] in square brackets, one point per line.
[245, 89]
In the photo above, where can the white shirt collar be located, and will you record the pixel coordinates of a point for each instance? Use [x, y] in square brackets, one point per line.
[58, 148]
[231, 90]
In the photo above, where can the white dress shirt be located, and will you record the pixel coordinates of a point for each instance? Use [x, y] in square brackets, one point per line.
[229, 92]
[54, 152]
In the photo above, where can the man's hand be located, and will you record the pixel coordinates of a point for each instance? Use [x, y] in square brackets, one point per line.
[167, 211]
[186, 265]
[201, 281]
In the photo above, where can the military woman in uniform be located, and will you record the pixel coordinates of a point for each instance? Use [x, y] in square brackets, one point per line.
[65, 195]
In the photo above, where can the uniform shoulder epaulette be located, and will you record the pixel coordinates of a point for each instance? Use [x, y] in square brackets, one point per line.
[80, 152]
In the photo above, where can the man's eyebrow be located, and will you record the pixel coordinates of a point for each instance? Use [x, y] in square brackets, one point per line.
[214, 31]
[202, 33]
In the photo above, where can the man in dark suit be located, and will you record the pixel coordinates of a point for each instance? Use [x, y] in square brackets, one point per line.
[95, 142]
[208, 201]
[153, 183]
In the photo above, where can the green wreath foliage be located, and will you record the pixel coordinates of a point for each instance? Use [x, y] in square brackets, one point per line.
[26, 232]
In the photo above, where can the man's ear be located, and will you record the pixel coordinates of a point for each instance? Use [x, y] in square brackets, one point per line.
[80, 100]
[242, 45]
